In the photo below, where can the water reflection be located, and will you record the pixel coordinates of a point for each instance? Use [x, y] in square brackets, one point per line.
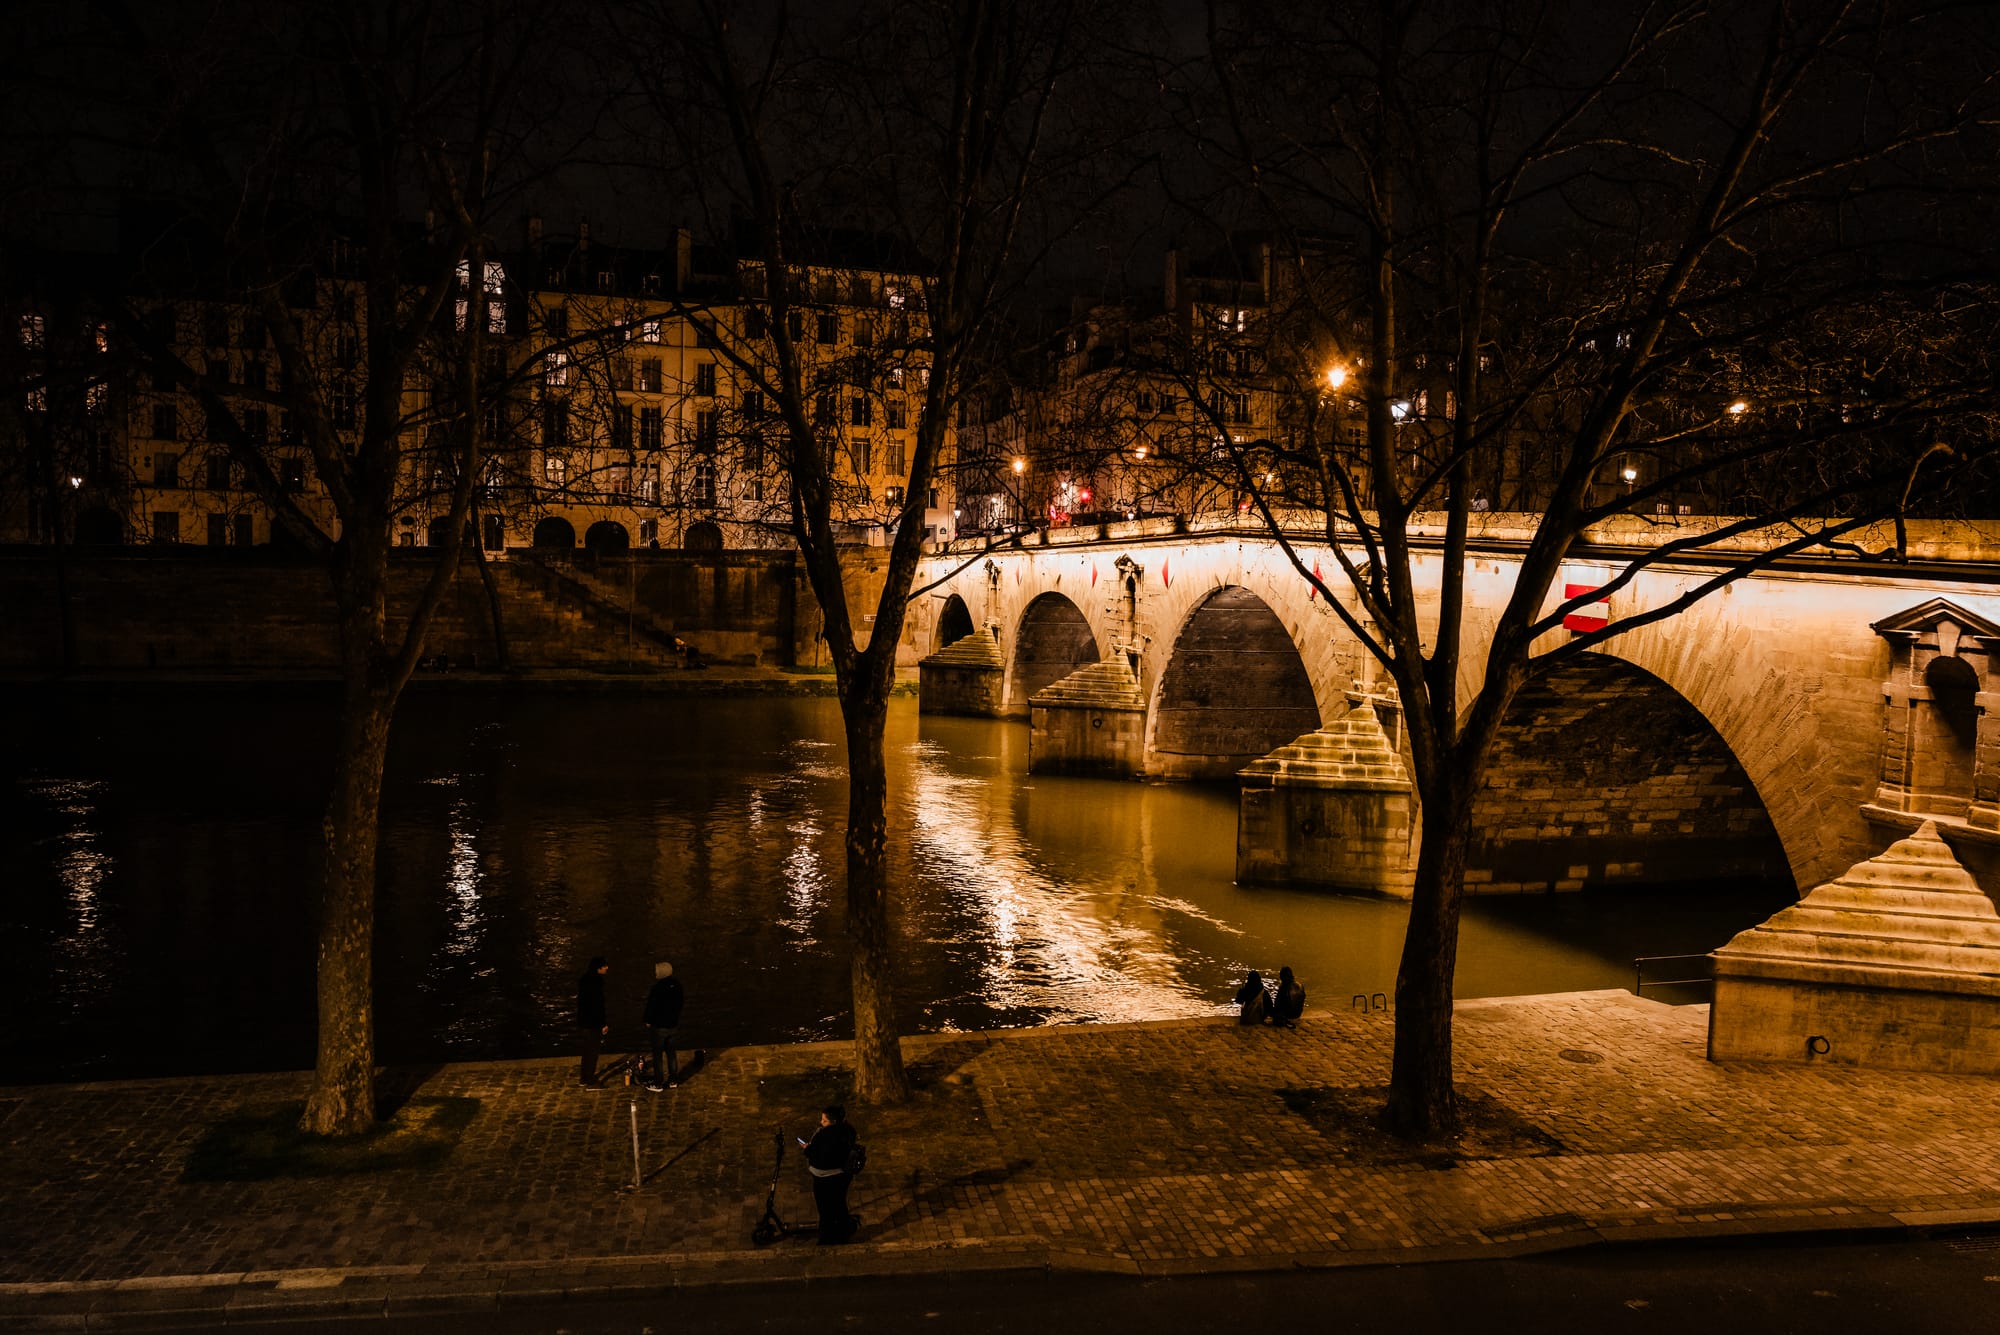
[524, 833]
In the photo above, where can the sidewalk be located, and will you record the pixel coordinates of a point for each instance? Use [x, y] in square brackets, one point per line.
[1163, 1148]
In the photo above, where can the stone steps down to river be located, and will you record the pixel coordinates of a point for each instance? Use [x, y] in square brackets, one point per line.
[1896, 964]
[977, 650]
[1109, 683]
[1351, 752]
[1911, 914]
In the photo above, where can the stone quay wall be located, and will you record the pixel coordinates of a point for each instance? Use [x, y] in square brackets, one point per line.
[258, 611]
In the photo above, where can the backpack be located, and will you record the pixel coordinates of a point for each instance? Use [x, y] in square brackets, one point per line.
[857, 1158]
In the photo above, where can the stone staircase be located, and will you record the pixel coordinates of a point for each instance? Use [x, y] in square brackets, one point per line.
[584, 586]
[553, 596]
[1108, 683]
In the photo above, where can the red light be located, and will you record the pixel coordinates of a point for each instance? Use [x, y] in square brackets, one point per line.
[1085, 493]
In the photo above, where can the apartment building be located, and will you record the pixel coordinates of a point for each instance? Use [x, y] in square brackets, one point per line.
[625, 402]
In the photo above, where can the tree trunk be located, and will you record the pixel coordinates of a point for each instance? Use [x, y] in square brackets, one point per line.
[1422, 1104]
[342, 1100]
[492, 587]
[878, 1052]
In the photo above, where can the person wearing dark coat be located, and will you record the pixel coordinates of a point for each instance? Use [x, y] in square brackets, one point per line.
[1290, 1002]
[1253, 1001]
[592, 1022]
[663, 1015]
[826, 1159]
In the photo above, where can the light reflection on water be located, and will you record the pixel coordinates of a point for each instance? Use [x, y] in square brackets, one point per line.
[158, 920]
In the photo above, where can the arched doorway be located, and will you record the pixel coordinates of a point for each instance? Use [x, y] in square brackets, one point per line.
[1234, 690]
[555, 531]
[954, 622]
[607, 535]
[705, 537]
[1053, 641]
[1604, 775]
[99, 527]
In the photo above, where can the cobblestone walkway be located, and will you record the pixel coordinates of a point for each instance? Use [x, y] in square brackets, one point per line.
[1156, 1147]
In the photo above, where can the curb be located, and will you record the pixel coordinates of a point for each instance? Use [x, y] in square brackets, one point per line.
[171, 1302]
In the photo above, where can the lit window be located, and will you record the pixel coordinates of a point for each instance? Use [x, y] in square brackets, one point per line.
[556, 369]
[34, 331]
[555, 470]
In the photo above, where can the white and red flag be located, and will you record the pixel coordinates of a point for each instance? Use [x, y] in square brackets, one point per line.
[1591, 616]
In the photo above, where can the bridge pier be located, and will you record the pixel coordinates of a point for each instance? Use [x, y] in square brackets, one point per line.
[1091, 722]
[1332, 809]
[967, 676]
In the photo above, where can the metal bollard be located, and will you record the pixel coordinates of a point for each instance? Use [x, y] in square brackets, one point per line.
[638, 1178]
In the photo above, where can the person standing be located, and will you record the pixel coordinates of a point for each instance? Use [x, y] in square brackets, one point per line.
[827, 1157]
[592, 1021]
[663, 1015]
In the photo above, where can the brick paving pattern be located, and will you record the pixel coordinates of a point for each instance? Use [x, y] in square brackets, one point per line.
[1161, 1147]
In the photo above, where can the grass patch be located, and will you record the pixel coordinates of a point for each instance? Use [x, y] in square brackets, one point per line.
[261, 1146]
[1352, 1120]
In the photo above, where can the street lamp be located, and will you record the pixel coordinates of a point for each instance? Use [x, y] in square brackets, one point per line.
[1738, 408]
[1336, 376]
[1020, 465]
[1139, 453]
[1630, 474]
[75, 482]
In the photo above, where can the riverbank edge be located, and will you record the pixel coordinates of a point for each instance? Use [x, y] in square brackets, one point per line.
[209, 1300]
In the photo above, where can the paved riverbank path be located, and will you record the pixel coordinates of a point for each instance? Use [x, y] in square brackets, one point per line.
[1163, 1147]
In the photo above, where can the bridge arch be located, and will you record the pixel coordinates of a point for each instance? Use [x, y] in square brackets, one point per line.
[954, 623]
[1604, 775]
[1052, 639]
[1234, 687]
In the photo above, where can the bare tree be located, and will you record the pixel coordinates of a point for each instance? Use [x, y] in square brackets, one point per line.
[322, 180]
[949, 136]
[1593, 263]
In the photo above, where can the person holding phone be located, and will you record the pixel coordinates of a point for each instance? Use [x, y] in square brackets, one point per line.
[827, 1155]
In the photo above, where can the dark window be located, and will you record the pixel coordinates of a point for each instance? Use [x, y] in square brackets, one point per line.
[166, 424]
[795, 324]
[755, 325]
[218, 530]
[166, 526]
[559, 321]
[246, 531]
[555, 423]
[292, 473]
[652, 433]
[218, 473]
[899, 416]
[704, 378]
[893, 457]
[859, 453]
[861, 411]
[343, 408]
[649, 374]
[621, 426]
[257, 425]
[166, 469]
[753, 403]
[707, 424]
[828, 329]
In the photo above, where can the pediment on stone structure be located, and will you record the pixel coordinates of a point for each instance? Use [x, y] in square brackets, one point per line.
[1925, 618]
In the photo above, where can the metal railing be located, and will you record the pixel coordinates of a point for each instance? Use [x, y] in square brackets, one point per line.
[1640, 982]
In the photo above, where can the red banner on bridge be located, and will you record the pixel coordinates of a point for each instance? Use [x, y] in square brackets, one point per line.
[1589, 617]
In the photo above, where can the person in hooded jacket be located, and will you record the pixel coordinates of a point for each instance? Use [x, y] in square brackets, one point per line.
[1290, 1001]
[663, 1016]
[827, 1155]
[1253, 1002]
[592, 1022]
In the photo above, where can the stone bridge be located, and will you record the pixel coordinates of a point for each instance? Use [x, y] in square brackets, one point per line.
[1785, 727]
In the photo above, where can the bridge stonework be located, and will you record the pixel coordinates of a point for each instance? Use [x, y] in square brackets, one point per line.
[1786, 666]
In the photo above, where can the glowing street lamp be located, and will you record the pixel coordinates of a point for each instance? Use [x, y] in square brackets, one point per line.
[1020, 465]
[1336, 376]
[1139, 453]
[1738, 408]
[1630, 474]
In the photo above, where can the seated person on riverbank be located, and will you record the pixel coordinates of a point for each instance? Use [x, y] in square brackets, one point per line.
[1253, 1001]
[1290, 1002]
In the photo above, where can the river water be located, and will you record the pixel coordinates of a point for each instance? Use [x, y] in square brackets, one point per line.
[157, 850]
